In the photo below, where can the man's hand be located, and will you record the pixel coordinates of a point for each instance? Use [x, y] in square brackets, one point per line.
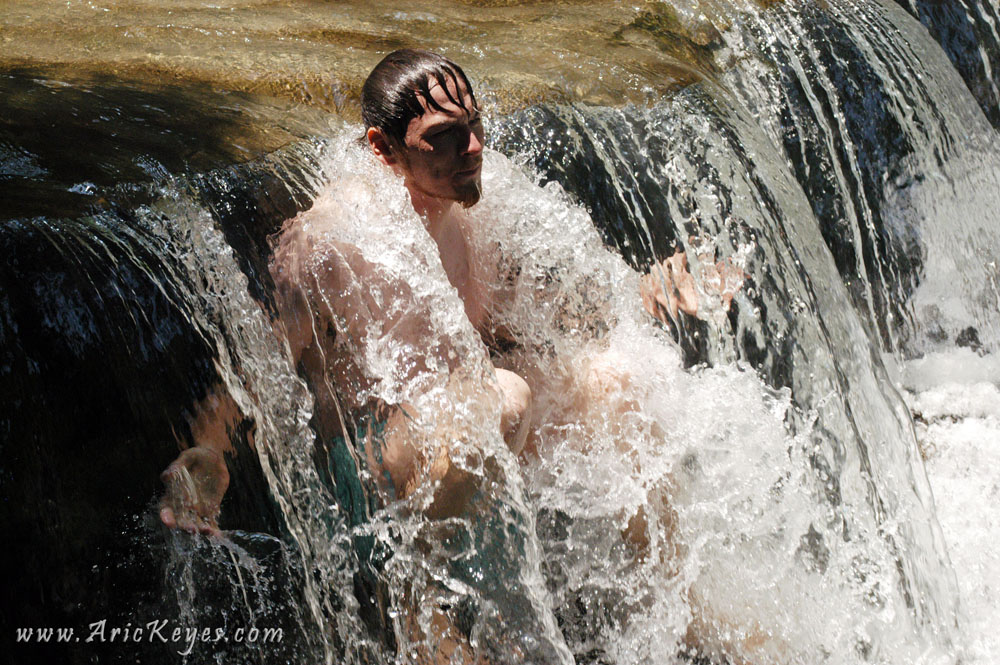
[669, 287]
[720, 277]
[195, 483]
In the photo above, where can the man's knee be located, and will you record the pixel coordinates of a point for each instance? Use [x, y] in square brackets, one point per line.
[516, 413]
[608, 392]
[605, 376]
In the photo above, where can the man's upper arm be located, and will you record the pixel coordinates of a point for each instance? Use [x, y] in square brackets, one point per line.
[312, 277]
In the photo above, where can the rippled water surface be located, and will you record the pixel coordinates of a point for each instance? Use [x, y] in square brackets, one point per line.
[319, 52]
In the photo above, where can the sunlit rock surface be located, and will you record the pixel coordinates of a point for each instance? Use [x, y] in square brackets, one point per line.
[318, 53]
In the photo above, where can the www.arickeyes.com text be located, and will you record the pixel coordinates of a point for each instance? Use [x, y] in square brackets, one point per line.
[152, 632]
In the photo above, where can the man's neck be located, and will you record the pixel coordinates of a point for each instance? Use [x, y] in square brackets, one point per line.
[432, 210]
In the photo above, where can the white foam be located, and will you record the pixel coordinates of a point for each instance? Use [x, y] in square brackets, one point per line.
[708, 457]
[960, 365]
[955, 399]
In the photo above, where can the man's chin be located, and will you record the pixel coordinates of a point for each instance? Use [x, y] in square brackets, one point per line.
[470, 194]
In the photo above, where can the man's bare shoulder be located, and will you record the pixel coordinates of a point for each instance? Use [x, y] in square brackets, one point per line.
[334, 214]
[319, 271]
[325, 235]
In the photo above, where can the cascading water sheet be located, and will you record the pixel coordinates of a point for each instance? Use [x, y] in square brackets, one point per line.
[814, 524]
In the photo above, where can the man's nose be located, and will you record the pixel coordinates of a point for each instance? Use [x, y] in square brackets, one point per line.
[474, 146]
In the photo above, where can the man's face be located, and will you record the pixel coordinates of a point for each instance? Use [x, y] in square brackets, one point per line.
[442, 151]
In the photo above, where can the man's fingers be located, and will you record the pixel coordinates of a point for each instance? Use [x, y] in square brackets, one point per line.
[649, 302]
[189, 521]
[189, 502]
[170, 473]
[668, 303]
[187, 525]
[168, 518]
[208, 528]
[175, 511]
[670, 288]
[677, 261]
[181, 519]
[666, 287]
[655, 300]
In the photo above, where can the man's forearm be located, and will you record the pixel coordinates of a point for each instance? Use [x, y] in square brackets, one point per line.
[213, 420]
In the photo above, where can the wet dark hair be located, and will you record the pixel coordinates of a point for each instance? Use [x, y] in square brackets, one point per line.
[389, 96]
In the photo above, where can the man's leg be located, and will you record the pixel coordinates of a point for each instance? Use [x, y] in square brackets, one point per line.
[403, 460]
[604, 400]
[444, 642]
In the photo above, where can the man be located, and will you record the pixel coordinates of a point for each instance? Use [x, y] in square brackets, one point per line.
[423, 123]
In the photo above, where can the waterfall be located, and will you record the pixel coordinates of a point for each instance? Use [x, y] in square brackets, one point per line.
[751, 484]
[899, 167]
[969, 33]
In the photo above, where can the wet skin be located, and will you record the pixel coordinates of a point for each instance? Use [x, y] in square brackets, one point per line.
[441, 154]
[440, 160]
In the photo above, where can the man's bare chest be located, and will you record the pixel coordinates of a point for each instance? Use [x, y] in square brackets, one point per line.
[457, 260]
[470, 290]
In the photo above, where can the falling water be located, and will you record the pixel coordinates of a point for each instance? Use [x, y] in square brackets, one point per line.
[748, 483]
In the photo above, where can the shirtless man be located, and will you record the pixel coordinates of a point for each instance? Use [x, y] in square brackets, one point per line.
[423, 122]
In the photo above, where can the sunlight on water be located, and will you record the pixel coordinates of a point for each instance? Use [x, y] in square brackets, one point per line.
[413, 345]
[678, 511]
[743, 530]
[954, 214]
[955, 400]
[679, 504]
[257, 374]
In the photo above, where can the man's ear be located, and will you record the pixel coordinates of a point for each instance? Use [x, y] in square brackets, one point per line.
[381, 146]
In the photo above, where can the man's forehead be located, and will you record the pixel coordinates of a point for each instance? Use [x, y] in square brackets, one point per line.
[458, 91]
